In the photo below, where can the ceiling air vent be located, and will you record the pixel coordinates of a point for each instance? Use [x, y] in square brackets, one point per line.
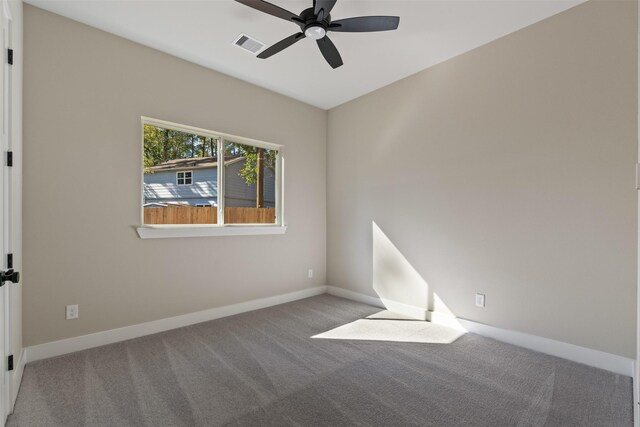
[248, 43]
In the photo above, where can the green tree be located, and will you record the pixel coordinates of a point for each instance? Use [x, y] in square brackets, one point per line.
[256, 161]
[250, 170]
[162, 145]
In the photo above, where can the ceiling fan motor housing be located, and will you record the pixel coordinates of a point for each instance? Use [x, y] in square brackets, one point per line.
[313, 27]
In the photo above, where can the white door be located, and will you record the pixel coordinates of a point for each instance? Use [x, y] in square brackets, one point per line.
[4, 242]
[6, 187]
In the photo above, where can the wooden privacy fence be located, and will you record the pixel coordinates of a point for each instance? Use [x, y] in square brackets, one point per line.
[249, 215]
[194, 215]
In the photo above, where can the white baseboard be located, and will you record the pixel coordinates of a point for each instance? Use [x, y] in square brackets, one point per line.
[406, 309]
[611, 362]
[16, 380]
[70, 345]
[355, 296]
[598, 359]
[396, 307]
[445, 319]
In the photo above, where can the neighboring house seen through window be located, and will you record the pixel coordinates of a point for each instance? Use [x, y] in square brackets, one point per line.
[195, 176]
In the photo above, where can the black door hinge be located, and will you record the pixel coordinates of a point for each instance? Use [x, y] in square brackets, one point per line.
[10, 362]
[9, 260]
[10, 158]
[10, 56]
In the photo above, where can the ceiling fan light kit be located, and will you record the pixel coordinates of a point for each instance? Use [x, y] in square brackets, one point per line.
[316, 22]
[315, 32]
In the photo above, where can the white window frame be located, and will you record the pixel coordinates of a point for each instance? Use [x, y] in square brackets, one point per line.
[184, 178]
[155, 231]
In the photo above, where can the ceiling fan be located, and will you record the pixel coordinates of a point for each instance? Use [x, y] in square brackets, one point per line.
[316, 22]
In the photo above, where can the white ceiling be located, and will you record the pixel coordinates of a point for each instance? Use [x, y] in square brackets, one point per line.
[202, 31]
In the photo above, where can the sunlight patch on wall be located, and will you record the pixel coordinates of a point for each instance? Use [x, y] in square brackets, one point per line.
[395, 280]
[402, 289]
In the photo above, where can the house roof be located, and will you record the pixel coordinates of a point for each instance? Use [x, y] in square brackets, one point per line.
[192, 163]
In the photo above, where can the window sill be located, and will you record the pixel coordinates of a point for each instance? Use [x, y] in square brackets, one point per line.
[175, 231]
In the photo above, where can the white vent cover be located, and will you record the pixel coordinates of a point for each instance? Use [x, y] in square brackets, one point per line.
[248, 43]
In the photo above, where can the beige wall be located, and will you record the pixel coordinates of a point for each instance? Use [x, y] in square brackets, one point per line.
[84, 93]
[509, 171]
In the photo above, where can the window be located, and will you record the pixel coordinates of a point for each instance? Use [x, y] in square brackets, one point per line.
[230, 180]
[183, 178]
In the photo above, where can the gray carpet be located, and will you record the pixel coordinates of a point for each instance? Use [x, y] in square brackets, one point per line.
[263, 369]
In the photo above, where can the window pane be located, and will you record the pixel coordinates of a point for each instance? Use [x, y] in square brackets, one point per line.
[171, 197]
[249, 184]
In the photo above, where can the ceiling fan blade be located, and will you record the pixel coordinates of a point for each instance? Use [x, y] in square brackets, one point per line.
[281, 45]
[271, 9]
[323, 5]
[362, 24]
[330, 52]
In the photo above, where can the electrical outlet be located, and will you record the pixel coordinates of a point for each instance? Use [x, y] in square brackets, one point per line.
[310, 274]
[479, 300]
[72, 311]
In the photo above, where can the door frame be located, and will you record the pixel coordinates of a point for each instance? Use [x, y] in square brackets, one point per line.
[636, 370]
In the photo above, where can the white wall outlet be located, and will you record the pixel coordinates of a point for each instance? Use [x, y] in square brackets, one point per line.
[479, 300]
[72, 311]
[310, 274]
